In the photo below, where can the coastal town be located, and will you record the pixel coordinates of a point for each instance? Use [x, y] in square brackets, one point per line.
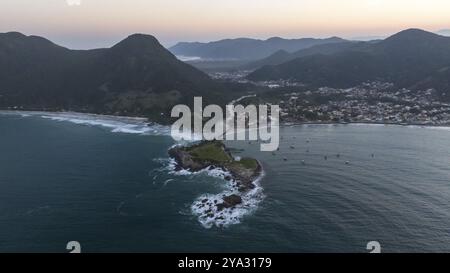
[370, 102]
[373, 102]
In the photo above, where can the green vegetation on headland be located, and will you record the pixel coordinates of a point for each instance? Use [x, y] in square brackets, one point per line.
[248, 163]
[210, 152]
[214, 154]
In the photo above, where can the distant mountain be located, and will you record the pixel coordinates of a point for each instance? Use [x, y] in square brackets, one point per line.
[368, 38]
[137, 76]
[283, 56]
[406, 59]
[444, 32]
[245, 48]
[439, 80]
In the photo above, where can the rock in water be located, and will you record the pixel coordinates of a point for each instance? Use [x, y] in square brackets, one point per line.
[230, 202]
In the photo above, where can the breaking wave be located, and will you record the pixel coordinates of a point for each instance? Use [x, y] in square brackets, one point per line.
[205, 206]
[117, 124]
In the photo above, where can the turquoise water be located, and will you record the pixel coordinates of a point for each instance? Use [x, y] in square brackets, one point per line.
[109, 186]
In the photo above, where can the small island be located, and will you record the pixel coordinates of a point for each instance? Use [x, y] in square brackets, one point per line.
[213, 154]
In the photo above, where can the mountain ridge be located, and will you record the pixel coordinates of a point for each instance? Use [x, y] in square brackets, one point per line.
[246, 48]
[136, 76]
[405, 58]
[283, 56]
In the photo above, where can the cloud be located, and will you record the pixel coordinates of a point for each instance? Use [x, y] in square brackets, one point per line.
[73, 2]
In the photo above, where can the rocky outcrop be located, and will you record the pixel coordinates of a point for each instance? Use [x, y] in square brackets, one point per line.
[230, 202]
[244, 176]
[205, 155]
[185, 160]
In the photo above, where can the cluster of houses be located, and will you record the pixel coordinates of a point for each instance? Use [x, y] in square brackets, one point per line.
[374, 102]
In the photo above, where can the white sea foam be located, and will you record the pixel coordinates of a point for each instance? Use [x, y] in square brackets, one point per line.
[171, 164]
[208, 214]
[188, 58]
[168, 181]
[184, 58]
[23, 114]
[119, 209]
[205, 206]
[117, 124]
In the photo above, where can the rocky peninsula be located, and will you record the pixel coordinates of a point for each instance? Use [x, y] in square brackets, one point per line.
[214, 154]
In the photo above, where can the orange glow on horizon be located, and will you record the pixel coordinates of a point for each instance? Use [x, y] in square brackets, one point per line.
[177, 20]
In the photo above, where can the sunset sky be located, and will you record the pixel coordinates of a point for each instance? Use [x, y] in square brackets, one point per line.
[101, 23]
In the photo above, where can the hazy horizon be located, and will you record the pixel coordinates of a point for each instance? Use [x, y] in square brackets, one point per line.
[102, 23]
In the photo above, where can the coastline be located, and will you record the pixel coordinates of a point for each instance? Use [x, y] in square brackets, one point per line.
[366, 123]
[138, 118]
[242, 176]
[116, 124]
[244, 170]
[283, 123]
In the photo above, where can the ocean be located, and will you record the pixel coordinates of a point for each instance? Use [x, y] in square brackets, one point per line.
[107, 182]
